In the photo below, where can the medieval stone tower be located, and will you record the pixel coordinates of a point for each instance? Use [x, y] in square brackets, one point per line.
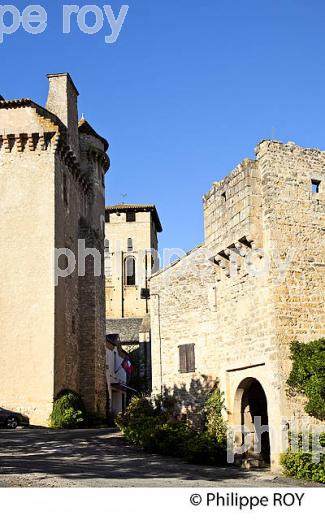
[52, 171]
[131, 245]
[229, 310]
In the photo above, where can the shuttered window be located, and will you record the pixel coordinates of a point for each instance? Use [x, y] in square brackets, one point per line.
[186, 358]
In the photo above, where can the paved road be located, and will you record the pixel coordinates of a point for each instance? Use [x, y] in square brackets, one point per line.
[102, 458]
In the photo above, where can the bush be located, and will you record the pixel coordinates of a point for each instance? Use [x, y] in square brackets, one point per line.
[202, 448]
[68, 411]
[214, 422]
[308, 374]
[299, 464]
[138, 408]
[165, 405]
[141, 432]
[154, 428]
[171, 438]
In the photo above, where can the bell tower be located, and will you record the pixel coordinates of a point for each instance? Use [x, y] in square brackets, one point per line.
[131, 257]
[131, 245]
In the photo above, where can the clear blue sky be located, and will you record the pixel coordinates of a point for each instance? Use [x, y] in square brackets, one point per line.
[185, 94]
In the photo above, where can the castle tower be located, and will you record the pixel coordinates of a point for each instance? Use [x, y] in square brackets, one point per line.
[131, 245]
[52, 196]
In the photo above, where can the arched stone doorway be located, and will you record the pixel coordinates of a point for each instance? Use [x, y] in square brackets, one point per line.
[251, 413]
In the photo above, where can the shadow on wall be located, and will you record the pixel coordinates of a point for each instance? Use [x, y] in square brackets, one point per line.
[191, 399]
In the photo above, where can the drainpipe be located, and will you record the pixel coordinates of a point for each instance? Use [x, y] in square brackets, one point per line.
[160, 349]
[122, 284]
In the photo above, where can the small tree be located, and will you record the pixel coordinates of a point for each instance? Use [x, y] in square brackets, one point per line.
[308, 374]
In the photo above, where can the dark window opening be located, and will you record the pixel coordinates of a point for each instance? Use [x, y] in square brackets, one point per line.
[130, 271]
[224, 196]
[130, 216]
[186, 358]
[315, 186]
[130, 244]
[73, 324]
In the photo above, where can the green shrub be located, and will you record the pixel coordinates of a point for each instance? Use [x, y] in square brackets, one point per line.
[68, 411]
[165, 405]
[300, 464]
[139, 407]
[214, 422]
[171, 438]
[202, 448]
[141, 431]
[154, 427]
[308, 374]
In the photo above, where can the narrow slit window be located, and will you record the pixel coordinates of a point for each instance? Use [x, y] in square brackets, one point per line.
[130, 244]
[224, 196]
[315, 185]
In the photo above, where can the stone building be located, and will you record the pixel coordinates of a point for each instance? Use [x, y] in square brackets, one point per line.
[131, 246]
[228, 311]
[52, 169]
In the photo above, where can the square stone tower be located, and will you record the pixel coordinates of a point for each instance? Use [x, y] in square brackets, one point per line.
[131, 257]
[131, 247]
[52, 197]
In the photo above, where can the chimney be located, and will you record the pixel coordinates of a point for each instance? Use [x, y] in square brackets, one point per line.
[62, 101]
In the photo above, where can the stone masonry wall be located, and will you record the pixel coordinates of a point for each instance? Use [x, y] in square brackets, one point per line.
[294, 218]
[26, 260]
[243, 314]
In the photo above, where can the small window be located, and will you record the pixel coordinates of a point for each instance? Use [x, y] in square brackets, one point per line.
[130, 271]
[186, 358]
[106, 245]
[107, 217]
[130, 216]
[315, 186]
[130, 244]
[224, 196]
[73, 324]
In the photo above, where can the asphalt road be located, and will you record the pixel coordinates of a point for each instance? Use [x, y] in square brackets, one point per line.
[102, 458]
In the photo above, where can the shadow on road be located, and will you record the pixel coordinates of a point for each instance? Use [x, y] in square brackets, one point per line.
[95, 454]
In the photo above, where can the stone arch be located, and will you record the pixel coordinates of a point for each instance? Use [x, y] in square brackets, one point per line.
[250, 411]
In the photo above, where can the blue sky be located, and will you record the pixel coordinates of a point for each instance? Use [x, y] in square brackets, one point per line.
[187, 91]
